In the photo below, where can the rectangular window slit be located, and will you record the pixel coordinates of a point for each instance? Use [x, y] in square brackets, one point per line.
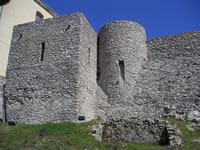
[42, 54]
[88, 55]
[121, 67]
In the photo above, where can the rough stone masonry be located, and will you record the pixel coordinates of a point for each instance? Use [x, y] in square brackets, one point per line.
[2, 83]
[60, 70]
[51, 74]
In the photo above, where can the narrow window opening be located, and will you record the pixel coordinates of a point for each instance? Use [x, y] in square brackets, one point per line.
[42, 54]
[20, 36]
[39, 16]
[164, 139]
[88, 55]
[98, 65]
[121, 67]
[67, 28]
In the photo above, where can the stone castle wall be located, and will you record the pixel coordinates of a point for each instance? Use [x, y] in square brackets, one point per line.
[167, 84]
[54, 63]
[172, 73]
[2, 82]
[45, 79]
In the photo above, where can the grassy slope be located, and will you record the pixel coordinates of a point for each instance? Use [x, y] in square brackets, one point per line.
[71, 136]
[187, 135]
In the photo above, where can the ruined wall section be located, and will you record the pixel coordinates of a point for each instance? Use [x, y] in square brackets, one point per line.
[44, 71]
[87, 69]
[2, 82]
[134, 130]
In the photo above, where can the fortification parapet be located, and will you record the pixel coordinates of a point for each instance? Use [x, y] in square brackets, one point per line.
[122, 51]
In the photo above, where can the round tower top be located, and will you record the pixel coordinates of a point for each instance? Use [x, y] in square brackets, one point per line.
[123, 24]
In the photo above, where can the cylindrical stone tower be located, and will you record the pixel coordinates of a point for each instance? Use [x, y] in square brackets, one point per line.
[121, 53]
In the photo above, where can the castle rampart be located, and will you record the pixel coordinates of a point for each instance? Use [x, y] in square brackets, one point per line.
[51, 74]
[173, 72]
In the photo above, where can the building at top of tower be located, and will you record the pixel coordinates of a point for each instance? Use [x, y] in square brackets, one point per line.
[18, 12]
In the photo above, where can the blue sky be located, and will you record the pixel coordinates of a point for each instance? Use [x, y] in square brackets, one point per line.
[158, 17]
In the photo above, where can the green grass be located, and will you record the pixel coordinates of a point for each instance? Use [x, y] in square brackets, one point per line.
[70, 136]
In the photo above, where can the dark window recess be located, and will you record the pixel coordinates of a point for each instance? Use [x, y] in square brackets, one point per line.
[121, 67]
[81, 118]
[88, 55]
[98, 66]
[67, 28]
[20, 36]
[42, 54]
[164, 139]
[98, 75]
[39, 16]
